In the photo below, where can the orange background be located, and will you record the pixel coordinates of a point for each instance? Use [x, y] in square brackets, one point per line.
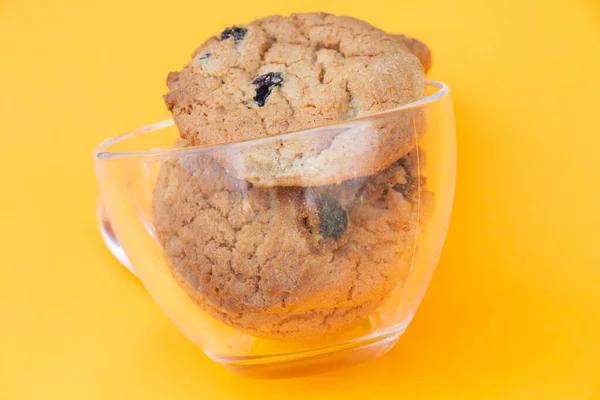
[514, 308]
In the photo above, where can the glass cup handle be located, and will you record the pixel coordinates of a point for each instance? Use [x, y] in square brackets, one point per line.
[109, 237]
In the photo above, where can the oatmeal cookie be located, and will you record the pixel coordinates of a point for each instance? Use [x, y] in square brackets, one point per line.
[283, 74]
[288, 262]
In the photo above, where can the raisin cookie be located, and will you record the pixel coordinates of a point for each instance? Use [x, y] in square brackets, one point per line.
[288, 262]
[283, 74]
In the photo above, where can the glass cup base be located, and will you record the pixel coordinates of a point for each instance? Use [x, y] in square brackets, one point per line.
[315, 361]
[280, 365]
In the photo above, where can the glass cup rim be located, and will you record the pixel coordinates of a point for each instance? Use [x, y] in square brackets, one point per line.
[100, 152]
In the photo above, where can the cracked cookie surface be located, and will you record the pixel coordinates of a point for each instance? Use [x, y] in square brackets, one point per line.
[283, 74]
[288, 262]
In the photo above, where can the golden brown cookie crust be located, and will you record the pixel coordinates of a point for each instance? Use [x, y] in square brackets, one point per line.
[283, 74]
[288, 262]
[418, 48]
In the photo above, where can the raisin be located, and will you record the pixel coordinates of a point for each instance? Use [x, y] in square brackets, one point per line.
[205, 56]
[264, 85]
[333, 220]
[236, 32]
[411, 184]
[405, 188]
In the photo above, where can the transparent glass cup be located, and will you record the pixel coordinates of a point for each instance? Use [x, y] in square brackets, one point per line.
[290, 254]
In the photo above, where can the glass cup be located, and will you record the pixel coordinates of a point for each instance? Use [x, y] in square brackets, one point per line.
[290, 254]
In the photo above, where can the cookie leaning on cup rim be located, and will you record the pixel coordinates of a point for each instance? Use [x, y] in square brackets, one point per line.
[283, 74]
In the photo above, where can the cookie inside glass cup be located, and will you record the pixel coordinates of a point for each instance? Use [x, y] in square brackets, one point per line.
[290, 237]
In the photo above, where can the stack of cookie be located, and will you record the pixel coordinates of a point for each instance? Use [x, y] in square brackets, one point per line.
[295, 236]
